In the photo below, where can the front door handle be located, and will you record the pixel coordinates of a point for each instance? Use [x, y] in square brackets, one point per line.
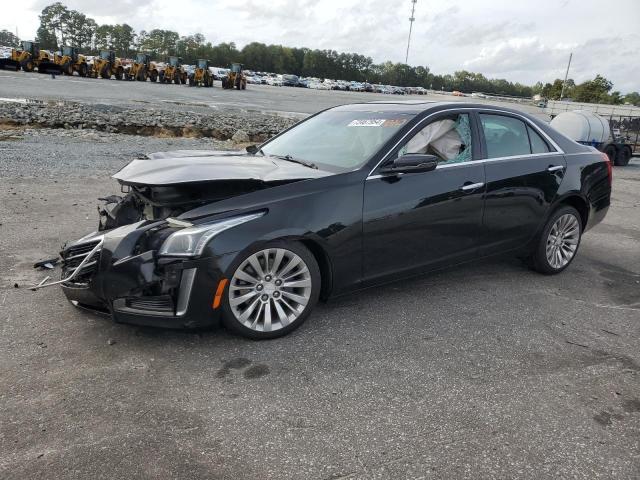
[555, 168]
[471, 186]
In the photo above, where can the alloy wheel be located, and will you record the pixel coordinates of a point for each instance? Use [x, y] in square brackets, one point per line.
[270, 290]
[563, 240]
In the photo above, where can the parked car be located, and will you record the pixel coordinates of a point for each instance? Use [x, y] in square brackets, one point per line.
[289, 80]
[348, 198]
[219, 73]
[356, 87]
[276, 81]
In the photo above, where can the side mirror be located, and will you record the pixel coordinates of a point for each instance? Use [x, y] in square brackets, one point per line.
[411, 163]
[252, 149]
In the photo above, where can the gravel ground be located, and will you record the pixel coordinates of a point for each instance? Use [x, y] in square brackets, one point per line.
[165, 121]
[59, 153]
[482, 371]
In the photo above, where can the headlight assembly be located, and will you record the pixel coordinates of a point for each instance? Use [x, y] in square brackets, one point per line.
[190, 241]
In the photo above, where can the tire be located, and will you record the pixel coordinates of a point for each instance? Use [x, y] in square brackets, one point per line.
[67, 69]
[610, 151]
[153, 76]
[83, 70]
[623, 156]
[119, 74]
[27, 65]
[141, 75]
[567, 221]
[278, 310]
[106, 72]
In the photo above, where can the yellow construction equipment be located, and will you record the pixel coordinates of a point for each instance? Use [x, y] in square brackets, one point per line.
[29, 58]
[173, 72]
[142, 69]
[71, 61]
[201, 76]
[106, 65]
[235, 78]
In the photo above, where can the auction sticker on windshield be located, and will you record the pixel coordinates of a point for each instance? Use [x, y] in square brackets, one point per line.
[367, 122]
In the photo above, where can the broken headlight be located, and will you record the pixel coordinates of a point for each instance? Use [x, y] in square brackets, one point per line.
[190, 241]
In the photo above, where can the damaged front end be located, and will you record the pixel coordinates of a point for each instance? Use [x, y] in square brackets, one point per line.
[119, 272]
[143, 266]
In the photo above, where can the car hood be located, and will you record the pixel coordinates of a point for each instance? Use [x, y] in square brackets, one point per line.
[188, 166]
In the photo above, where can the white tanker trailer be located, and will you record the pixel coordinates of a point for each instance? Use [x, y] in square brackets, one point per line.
[591, 129]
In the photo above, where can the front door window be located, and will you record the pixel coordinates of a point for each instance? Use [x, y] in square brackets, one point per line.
[447, 138]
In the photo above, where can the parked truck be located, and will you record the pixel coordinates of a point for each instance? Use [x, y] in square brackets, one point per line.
[592, 129]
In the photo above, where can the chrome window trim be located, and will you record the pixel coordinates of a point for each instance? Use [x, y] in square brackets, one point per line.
[528, 122]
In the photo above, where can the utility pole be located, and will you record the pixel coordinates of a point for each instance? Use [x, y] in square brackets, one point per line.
[411, 20]
[565, 76]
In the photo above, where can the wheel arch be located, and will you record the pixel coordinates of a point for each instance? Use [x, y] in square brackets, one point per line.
[576, 201]
[324, 263]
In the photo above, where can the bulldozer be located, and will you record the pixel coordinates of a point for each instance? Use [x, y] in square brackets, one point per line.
[201, 76]
[71, 61]
[235, 78]
[106, 65]
[173, 72]
[142, 69]
[29, 58]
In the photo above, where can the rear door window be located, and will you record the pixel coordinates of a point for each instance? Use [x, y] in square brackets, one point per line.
[538, 145]
[504, 136]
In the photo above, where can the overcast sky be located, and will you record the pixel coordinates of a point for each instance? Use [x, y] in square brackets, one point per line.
[524, 41]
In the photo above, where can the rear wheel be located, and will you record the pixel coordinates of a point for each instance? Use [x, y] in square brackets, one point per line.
[623, 156]
[558, 243]
[272, 290]
[119, 74]
[153, 76]
[610, 151]
[83, 70]
[67, 68]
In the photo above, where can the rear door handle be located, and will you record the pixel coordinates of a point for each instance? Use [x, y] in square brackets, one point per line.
[555, 168]
[471, 186]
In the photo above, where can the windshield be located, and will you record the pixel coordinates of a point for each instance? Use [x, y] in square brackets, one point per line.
[105, 54]
[173, 61]
[338, 140]
[202, 64]
[141, 58]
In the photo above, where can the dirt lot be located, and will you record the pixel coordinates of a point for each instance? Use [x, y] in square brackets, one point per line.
[483, 371]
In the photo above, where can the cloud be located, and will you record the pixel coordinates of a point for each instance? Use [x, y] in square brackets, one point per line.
[529, 59]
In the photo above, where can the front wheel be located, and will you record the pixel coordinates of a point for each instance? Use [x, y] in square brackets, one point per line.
[558, 242]
[272, 291]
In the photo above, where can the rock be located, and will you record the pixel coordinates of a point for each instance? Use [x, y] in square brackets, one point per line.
[241, 137]
[111, 341]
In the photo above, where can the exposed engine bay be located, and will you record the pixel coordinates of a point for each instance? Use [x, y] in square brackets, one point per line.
[168, 184]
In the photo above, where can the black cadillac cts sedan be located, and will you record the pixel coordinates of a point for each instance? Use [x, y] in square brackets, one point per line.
[349, 198]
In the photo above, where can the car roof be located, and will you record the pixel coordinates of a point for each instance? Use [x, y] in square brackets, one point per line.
[420, 106]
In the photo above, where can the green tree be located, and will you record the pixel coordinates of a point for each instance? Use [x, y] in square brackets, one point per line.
[8, 39]
[53, 28]
[632, 98]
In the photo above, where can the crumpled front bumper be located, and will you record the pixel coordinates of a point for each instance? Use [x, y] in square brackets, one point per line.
[142, 288]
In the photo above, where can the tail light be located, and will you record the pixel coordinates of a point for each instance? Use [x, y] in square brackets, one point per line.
[609, 167]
